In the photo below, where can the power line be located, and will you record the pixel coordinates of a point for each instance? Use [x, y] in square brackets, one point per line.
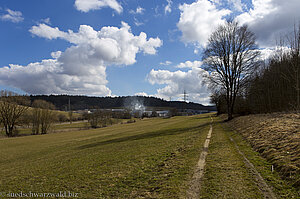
[185, 96]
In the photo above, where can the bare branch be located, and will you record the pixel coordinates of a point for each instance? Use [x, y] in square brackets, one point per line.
[231, 57]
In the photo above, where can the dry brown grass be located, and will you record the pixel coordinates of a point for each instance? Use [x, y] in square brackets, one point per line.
[277, 138]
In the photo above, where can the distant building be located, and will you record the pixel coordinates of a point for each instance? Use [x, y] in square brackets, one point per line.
[144, 113]
[162, 113]
[147, 113]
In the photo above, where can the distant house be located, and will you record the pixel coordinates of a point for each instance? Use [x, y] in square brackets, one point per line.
[147, 113]
[162, 113]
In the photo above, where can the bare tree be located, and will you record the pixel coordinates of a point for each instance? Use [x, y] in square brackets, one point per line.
[70, 113]
[36, 118]
[230, 57]
[12, 107]
[100, 118]
[42, 116]
[293, 73]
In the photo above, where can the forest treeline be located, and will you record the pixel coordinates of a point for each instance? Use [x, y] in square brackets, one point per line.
[274, 86]
[61, 102]
[242, 82]
[39, 113]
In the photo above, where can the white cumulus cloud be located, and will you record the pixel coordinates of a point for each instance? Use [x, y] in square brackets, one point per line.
[237, 4]
[189, 64]
[81, 68]
[199, 19]
[175, 83]
[269, 19]
[43, 30]
[13, 16]
[87, 5]
[48, 77]
[142, 94]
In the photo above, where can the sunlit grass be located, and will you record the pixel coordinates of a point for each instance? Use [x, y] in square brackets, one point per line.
[149, 158]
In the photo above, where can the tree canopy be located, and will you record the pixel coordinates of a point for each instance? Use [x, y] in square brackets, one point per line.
[230, 57]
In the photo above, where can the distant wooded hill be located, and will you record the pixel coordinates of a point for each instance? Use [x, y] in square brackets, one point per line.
[84, 102]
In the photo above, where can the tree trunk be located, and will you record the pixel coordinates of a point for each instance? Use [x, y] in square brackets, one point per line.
[10, 131]
[230, 117]
[6, 130]
[230, 111]
[298, 88]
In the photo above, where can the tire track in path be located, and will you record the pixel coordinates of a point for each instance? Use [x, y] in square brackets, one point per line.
[195, 183]
[262, 185]
[197, 178]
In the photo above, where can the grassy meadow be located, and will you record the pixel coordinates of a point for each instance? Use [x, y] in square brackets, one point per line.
[152, 158]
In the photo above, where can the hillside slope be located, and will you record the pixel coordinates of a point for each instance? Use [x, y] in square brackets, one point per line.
[277, 138]
[86, 102]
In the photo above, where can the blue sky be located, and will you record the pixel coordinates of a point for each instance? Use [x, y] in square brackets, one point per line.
[124, 47]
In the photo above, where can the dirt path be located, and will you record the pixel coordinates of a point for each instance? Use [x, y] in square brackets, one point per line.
[194, 189]
[223, 170]
[262, 185]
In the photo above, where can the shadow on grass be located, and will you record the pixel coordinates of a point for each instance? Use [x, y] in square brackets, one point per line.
[147, 135]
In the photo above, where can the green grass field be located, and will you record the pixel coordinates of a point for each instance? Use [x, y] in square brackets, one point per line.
[149, 158]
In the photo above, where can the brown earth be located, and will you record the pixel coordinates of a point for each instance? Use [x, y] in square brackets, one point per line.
[277, 138]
